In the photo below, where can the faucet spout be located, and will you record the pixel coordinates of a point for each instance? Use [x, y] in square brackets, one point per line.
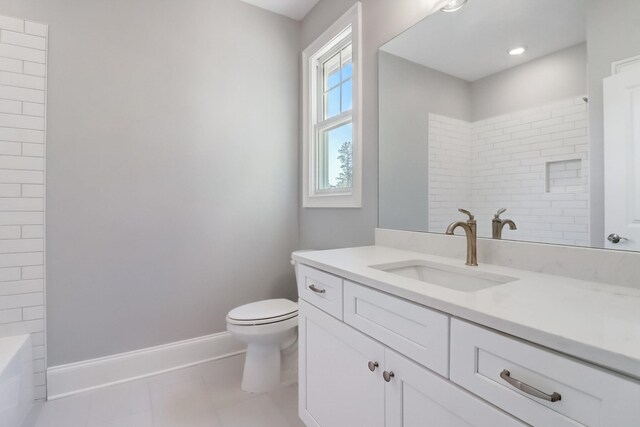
[511, 224]
[461, 224]
[498, 224]
[470, 231]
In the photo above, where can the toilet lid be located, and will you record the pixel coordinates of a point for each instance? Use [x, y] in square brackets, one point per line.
[270, 309]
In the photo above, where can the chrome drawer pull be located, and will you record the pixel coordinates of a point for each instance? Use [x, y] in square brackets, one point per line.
[388, 376]
[313, 288]
[553, 397]
[373, 366]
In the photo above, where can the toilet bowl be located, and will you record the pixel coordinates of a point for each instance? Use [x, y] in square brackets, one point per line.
[267, 327]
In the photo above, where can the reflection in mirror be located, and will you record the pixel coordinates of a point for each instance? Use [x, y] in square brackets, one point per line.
[488, 108]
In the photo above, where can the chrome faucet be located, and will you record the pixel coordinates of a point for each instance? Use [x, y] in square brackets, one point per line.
[498, 224]
[470, 231]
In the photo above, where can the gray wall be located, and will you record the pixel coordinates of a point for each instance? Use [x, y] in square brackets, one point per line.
[171, 167]
[560, 75]
[382, 20]
[613, 34]
[408, 93]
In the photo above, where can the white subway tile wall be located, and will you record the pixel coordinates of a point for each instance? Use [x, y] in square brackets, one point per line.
[23, 54]
[450, 174]
[534, 163]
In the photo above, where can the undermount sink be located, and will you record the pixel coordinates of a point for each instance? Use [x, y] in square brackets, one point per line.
[457, 278]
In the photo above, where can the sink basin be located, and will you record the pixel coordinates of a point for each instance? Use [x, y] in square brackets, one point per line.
[457, 278]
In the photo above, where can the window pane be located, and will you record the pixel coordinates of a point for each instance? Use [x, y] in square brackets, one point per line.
[347, 95]
[347, 65]
[333, 79]
[335, 158]
[331, 72]
[347, 71]
[332, 103]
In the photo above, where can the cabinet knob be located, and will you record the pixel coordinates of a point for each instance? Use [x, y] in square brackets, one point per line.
[615, 239]
[373, 366]
[388, 375]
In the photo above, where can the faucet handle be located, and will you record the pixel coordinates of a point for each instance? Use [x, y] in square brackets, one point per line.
[500, 212]
[466, 212]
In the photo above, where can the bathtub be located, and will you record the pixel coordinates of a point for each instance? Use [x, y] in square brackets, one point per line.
[16, 379]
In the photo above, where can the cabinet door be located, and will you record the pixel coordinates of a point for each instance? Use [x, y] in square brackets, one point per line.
[337, 388]
[416, 397]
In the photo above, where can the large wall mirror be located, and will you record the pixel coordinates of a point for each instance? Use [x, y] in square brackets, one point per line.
[527, 107]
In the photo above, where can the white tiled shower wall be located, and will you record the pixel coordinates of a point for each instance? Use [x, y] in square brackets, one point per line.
[534, 163]
[23, 55]
[450, 174]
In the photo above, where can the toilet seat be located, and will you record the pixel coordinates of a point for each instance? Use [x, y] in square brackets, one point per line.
[263, 312]
[256, 322]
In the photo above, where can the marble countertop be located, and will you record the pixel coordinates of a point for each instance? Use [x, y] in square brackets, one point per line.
[595, 322]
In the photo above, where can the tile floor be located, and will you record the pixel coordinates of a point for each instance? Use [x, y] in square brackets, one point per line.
[204, 395]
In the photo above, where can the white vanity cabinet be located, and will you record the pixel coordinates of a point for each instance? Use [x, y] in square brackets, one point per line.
[371, 359]
[350, 379]
[343, 383]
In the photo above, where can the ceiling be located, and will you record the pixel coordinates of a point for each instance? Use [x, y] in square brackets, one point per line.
[295, 9]
[474, 42]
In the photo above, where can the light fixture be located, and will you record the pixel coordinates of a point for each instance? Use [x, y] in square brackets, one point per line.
[454, 5]
[518, 50]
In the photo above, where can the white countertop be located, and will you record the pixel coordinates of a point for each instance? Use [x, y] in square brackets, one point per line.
[592, 321]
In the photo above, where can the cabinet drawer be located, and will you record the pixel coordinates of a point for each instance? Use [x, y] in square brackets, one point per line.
[413, 330]
[588, 395]
[320, 289]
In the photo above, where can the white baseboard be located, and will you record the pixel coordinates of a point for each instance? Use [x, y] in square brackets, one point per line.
[65, 380]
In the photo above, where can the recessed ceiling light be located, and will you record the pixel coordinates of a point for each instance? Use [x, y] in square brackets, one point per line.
[454, 5]
[517, 51]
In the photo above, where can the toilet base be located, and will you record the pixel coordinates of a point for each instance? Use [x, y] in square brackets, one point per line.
[262, 368]
[265, 343]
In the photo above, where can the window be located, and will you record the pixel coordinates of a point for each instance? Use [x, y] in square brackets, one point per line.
[331, 150]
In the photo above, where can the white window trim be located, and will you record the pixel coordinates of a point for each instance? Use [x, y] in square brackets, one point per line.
[350, 22]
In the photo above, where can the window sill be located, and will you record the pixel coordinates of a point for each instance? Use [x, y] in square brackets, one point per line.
[332, 201]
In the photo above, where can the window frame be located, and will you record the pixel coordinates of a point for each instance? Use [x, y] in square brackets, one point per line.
[346, 29]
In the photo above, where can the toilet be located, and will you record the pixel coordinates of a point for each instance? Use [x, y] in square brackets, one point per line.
[267, 327]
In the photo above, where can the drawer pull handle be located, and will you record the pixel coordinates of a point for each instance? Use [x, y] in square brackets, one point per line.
[313, 288]
[506, 375]
[388, 375]
[373, 366]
